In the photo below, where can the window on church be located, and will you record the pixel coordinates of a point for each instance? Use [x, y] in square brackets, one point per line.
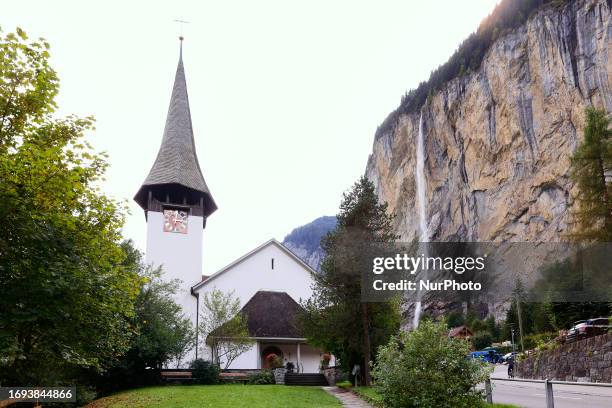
[272, 263]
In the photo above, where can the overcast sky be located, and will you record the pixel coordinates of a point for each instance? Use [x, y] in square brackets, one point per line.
[285, 95]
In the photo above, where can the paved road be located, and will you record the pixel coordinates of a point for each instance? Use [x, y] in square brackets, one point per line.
[532, 395]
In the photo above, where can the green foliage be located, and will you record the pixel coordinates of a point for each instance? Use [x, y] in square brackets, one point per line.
[536, 319]
[455, 319]
[493, 328]
[261, 378]
[573, 289]
[426, 368]
[162, 334]
[474, 323]
[224, 326]
[482, 339]
[205, 372]
[335, 319]
[507, 15]
[590, 170]
[539, 340]
[84, 395]
[67, 286]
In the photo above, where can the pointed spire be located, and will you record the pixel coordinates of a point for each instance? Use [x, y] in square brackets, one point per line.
[177, 161]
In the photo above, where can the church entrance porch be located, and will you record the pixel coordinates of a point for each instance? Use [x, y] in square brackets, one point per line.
[303, 357]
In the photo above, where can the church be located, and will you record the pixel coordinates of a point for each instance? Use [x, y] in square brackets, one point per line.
[269, 281]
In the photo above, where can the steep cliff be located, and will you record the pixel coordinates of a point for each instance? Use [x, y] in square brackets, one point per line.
[498, 140]
[305, 241]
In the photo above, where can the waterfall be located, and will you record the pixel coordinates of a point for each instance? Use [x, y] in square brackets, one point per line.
[421, 188]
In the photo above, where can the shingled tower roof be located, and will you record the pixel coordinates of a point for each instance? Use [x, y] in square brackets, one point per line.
[177, 162]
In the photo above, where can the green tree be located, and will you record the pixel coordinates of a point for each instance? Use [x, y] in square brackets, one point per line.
[224, 326]
[67, 288]
[163, 335]
[493, 328]
[335, 318]
[426, 368]
[590, 169]
[455, 319]
[482, 339]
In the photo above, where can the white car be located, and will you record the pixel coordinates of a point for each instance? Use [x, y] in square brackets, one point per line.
[509, 355]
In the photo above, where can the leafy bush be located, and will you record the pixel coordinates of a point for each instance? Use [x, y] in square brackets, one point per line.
[482, 339]
[538, 340]
[205, 372]
[426, 368]
[84, 395]
[261, 378]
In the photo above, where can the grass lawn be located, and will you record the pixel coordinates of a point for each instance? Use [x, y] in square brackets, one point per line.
[221, 396]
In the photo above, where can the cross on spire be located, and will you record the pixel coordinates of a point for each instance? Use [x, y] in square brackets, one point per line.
[182, 23]
[181, 38]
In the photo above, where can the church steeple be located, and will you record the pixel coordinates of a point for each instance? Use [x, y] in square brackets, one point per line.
[176, 177]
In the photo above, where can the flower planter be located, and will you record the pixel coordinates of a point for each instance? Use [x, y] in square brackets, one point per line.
[279, 375]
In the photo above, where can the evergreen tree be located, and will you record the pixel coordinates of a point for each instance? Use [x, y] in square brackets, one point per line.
[591, 171]
[336, 318]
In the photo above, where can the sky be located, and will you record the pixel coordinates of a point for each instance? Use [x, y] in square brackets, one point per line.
[285, 95]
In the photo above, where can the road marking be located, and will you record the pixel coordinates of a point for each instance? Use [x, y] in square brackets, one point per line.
[558, 396]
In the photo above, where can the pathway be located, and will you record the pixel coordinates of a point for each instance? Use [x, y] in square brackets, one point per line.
[347, 398]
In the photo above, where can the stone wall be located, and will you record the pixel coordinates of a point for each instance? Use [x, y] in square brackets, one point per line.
[588, 360]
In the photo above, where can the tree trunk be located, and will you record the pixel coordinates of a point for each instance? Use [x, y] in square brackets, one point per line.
[520, 321]
[602, 180]
[365, 323]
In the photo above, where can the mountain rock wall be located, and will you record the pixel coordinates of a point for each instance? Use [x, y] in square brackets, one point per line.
[498, 141]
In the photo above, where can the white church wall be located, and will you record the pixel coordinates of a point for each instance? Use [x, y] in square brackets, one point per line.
[246, 361]
[311, 358]
[180, 256]
[255, 273]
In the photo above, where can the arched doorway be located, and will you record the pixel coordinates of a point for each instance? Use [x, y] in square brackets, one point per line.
[268, 353]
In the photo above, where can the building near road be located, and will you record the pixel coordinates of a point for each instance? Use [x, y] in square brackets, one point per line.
[269, 281]
[461, 332]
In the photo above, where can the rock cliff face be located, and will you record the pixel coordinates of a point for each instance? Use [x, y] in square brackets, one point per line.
[498, 141]
[305, 241]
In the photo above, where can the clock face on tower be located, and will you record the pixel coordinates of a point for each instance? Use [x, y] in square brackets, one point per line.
[175, 221]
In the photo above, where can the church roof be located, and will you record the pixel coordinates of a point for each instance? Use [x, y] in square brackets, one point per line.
[177, 161]
[272, 315]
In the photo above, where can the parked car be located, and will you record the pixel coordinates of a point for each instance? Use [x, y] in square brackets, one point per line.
[489, 355]
[583, 329]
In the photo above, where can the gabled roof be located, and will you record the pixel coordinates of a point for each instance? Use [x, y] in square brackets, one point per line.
[177, 161]
[272, 314]
[243, 258]
[460, 330]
